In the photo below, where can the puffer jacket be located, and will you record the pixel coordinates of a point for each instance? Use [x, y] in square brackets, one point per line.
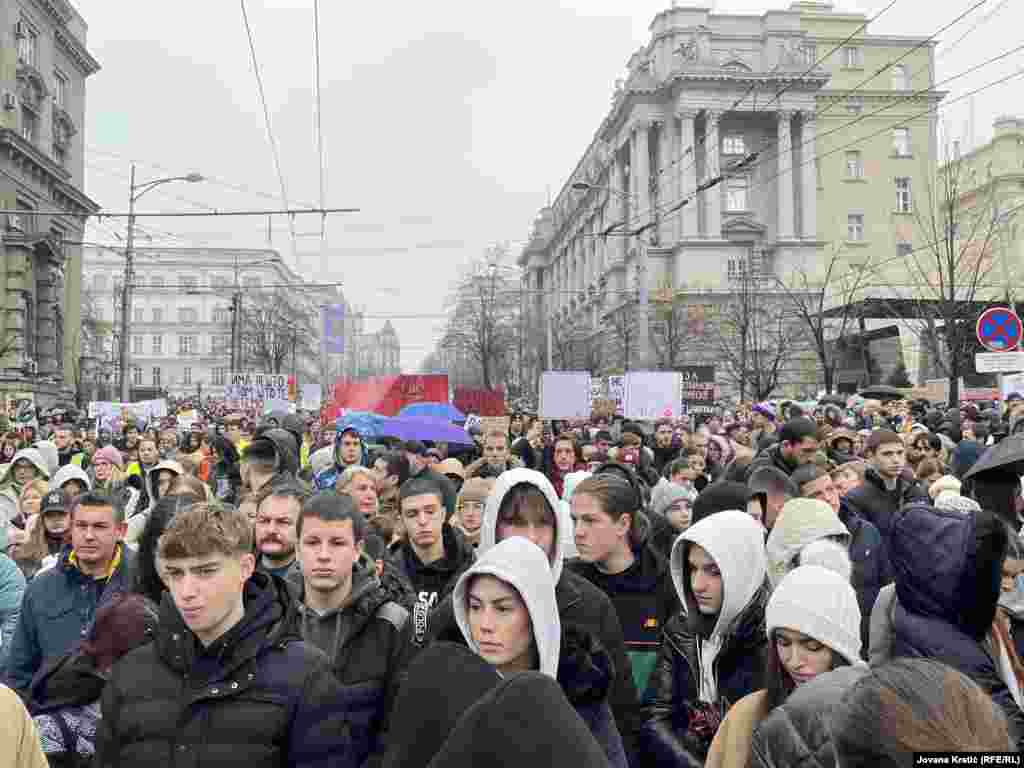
[940, 589]
[770, 457]
[797, 731]
[871, 569]
[257, 697]
[363, 641]
[878, 505]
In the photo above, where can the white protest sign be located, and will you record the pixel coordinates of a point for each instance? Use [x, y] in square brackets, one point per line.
[256, 387]
[565, 395]
[652, 395]
[617, 392]
[311, 397]
[278, 406]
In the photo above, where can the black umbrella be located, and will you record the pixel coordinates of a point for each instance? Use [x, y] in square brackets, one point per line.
[882, 392]
[1006, 456]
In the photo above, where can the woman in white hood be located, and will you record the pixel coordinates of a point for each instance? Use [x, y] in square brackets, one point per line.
[713, 653]
[506, 612]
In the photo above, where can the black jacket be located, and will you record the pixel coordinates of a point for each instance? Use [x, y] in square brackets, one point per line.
[225, 476]
[364, 644]
[582, 604]
[771, 457]
[797, 731]
[257, 696]
[878, 505]
[668, 737]
[871, 569]
[942, 590]
[433, 581]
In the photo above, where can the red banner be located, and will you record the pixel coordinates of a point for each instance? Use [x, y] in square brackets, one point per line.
[387, 395]
[482, 402]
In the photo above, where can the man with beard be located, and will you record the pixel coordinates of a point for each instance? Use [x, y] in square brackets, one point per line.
[496, 457]
[276, 517]
[665, 447]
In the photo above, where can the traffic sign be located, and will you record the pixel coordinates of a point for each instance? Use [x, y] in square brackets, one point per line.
[999, 329]
[999, 362]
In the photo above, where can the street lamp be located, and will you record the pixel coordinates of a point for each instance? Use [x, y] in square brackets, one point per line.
[642, 309]
[135, 191]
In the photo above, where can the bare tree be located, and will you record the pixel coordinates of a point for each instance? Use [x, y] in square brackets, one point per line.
[824, 304]
[620, 323]
[669, 327]
[753, 336]
[275, 331]
[87, 343]
[952, 273]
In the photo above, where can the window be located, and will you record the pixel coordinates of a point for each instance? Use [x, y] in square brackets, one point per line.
[736, 193]
[187, 344]
[28, 43]
[156, 282]
[854, 165]
[855, 105]
[158, 314]
[158, 344]
[60, 89]
[220, 376]
[855, 227]
[189, 282]
[810, 53]
[186, 376]
[156, 376]
[734, 144]
[899, 78]
[139, 315]
[29, 124]
[188, 315]
[853, 57]
[221, 315]
[742, 267]
[903, 250]
[903, 202]
[138, 345]
[901, 142]
[136, 376]
[221, 342]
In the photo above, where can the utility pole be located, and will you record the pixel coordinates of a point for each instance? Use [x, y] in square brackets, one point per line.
[124, 384]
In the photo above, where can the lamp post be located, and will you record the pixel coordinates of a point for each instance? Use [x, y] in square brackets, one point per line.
[643, 300]
[135, 192]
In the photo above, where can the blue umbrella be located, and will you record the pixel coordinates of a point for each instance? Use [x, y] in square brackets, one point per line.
[434, 430]
[437, 411]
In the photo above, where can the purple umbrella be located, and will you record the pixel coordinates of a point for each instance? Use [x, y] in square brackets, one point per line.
[435, 430]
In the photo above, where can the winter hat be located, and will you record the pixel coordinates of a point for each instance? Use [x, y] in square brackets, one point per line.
[670, 494]
[109, 453]
[944, 483]
[802, 522]
[719, 497]
[952, 501]
[821, 604]
[828, 554]
[476, 489]
[51, 455]
[451, 467]
[569, 483]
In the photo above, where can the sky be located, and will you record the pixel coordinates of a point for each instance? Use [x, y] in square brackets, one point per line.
[447, 124]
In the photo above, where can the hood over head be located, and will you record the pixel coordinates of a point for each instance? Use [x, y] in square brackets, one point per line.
[735, 541]
[51, 455]
[563, 521]
[801, 522]
[321, 459]
[285, 448]
[336, 452]
[69, 472]
[521, 564]
[31, 455]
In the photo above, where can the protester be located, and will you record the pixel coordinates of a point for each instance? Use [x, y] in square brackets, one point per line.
[675, 504]
[276, 529]
[71, 479]
[348, 451]
[46, 535]
[469, 510]
[910, 706]
[453, 470]
[804, 522]
[18, 734]
[712, 654]
[225, 475]
[272, 458]
[496, 458]
[415, 452]
[771, 489]
[344, 610]
[12, 595]
[361, 484]
[226, 680]
[797, 444]
[391, 470]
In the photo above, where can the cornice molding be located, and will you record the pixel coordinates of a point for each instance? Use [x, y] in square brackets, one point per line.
[73, 47]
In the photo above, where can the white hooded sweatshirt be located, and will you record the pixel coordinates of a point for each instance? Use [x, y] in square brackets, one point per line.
[505, 482]
[802, 522]
[521, 564]
[735, 541]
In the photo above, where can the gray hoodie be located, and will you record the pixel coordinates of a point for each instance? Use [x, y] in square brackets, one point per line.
[69, 472]
[521, 564]
[735, 541]
[504, 483]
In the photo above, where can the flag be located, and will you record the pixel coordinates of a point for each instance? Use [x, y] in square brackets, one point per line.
[334, 328]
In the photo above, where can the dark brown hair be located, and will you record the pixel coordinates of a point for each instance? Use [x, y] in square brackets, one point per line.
[204, 529]
[928, 467]
[617, 498]
[523, 502]
[188, 485]
[914, 705]
[778, 683]
[125, 623]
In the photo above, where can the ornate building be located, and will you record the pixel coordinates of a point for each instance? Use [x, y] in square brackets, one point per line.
[379, 353]
[44, 64]
[709, 170]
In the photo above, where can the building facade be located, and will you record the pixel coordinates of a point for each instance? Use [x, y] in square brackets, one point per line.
[44, 64]
[720, 171]
[182, 330]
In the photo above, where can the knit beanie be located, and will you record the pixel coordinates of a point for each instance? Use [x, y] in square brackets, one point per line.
[476, 489]
[109, 453]
[828, 554]
[951, 501]
[819, 603]
[670, 494]
[944, 483]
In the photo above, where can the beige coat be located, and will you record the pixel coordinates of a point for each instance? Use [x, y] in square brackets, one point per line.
[18, 734]
[731, 747]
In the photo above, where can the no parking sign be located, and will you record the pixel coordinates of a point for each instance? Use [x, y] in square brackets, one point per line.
[999, 329]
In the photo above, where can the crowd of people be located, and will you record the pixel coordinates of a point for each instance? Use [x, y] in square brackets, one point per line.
[841, 585]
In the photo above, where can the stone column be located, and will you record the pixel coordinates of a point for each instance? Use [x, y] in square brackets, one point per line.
[785, 178]
[686, 173]
[808, 177]
[642, 170]
[619, 202]
[46, 318]
[713, 196]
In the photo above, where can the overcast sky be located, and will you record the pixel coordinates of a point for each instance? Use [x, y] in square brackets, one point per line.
[447, 123]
